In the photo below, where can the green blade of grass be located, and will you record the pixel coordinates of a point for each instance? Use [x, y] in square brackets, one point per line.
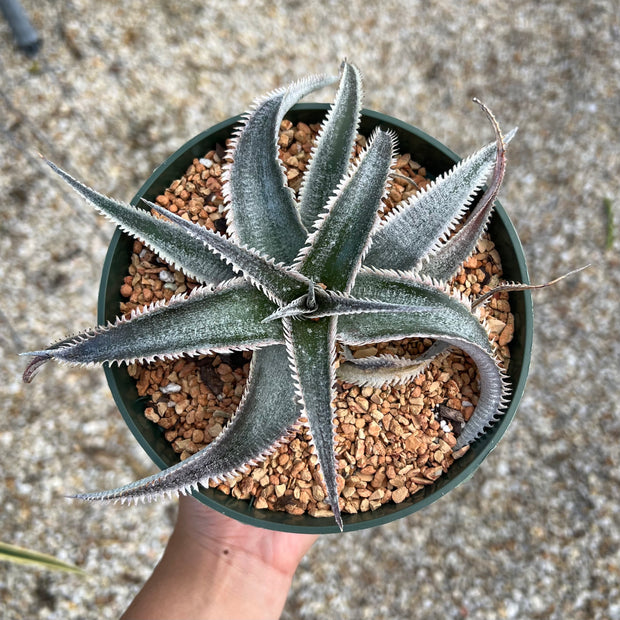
[19, 555]
[609, 238]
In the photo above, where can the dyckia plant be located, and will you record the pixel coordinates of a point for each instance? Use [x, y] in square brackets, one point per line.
[299, 279]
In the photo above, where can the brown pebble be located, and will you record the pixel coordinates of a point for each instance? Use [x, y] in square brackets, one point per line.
[399, 495]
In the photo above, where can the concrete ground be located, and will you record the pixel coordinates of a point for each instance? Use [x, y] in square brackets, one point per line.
[117, 87]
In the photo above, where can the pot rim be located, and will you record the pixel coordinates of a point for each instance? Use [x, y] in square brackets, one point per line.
[131, 407]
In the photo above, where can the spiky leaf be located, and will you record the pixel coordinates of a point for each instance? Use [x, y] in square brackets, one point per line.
[334, 252]
[335, 304]
[182, 251]
[380, 370]
[311, 346]
[445, 260]
[275, 280]
[209, 320]
[332, 153]
[263, 419]
[432, 213]
[263, 212]
[452, 324]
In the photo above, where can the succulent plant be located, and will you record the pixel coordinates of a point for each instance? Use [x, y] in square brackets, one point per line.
[297, 278]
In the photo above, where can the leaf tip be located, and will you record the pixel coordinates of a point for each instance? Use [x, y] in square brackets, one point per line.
[32, 369]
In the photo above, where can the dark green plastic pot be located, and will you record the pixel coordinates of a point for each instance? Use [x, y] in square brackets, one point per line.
[437, 159]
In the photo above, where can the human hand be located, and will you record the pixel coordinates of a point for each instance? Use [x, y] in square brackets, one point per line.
[218, 533]
[216, 567]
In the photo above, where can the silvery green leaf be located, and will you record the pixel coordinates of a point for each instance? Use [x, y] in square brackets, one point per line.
[262, 210]
[409, 289]
[452, 324]
[334, 145]
[209, 320]
[418, 225]
[264, 418]
[334, 251]
[377, 371]
[336, 304]
[444, 261]
[275, 280]
[184, 252]
[312, 351]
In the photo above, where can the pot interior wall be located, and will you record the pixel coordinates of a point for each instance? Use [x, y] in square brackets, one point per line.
[437, 159]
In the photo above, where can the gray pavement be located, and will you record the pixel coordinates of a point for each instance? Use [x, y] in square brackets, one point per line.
[115, 89]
